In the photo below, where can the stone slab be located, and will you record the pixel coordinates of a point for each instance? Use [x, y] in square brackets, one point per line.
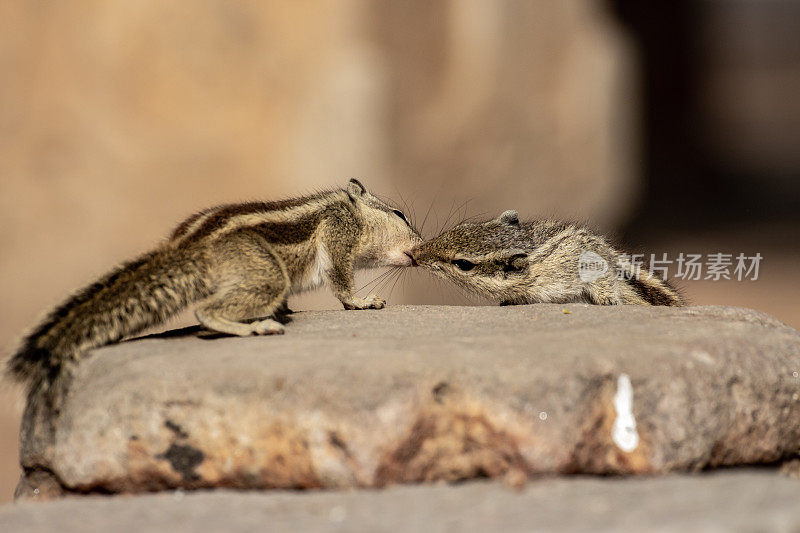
[418, 393]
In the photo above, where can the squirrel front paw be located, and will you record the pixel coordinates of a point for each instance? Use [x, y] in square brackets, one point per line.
[370, 302]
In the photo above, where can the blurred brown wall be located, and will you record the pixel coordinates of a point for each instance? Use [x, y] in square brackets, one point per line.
[720, 113]
[117, 119]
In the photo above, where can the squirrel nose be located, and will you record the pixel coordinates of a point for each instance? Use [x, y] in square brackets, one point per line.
[413, 261]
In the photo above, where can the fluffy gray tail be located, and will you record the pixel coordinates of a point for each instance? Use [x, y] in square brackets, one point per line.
[139, 294]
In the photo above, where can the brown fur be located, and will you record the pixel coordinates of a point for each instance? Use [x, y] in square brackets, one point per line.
[538, 261]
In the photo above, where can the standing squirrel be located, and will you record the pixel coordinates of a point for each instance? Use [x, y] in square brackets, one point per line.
[238, 262]
[540, 261]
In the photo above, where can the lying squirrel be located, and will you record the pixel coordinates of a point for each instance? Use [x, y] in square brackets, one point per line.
[238, 262]
[540, 261]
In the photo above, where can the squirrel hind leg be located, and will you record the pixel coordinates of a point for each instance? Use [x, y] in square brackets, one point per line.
[233, 311]
[216, 322]
[253, 282]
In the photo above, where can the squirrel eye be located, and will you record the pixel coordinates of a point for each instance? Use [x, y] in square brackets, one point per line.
[401, 215]
[463, 264]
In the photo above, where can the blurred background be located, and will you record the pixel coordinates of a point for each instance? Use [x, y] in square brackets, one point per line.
[674, 126]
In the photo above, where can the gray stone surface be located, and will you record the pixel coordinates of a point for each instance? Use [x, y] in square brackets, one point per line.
[732, 500]
[411, 394]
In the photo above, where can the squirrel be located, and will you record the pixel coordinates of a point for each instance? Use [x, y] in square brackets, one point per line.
[540, 261]
[237, 262]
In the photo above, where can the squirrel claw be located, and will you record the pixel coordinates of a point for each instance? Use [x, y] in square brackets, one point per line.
[370, 302]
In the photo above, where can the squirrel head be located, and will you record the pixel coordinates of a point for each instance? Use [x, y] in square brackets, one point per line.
[486, 258]
[388, 237]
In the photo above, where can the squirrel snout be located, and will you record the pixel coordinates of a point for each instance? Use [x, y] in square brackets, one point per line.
[413, 261]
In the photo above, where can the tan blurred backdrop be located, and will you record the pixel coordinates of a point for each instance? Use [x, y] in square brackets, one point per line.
[118, 119]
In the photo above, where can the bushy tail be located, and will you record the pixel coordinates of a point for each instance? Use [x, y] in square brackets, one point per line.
[650, 287]
[139, 294]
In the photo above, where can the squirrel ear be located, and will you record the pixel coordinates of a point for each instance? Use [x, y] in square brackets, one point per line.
[514, 260]
[509, 218]
[355, 189]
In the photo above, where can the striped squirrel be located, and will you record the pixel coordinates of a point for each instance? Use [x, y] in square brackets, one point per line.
[237, 262]
[517, 262]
